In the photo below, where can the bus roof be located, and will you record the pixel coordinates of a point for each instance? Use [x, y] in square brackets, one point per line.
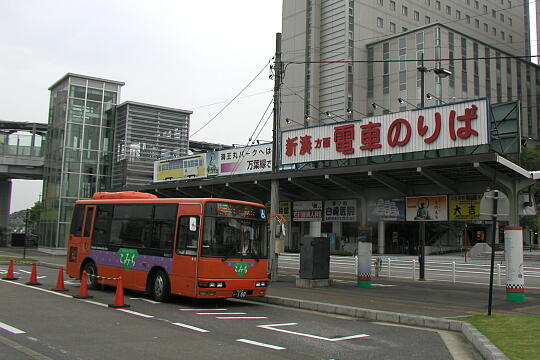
[162, 201]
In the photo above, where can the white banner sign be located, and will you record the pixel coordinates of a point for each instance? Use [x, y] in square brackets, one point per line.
[307, 210]
[245, 160]
[340, 210]
[441, 127]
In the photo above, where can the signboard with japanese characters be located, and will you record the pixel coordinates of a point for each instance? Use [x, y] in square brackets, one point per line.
[386, 210]
[284, 209]
[245, 160]
[340, 210]
[187, 167]
[464, 207]
[307, 210]
[427, 208]
[448, 126]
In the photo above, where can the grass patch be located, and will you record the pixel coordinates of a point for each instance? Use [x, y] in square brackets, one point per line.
[515, 335]
[15, 259]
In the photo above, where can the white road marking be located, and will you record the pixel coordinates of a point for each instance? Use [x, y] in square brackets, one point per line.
[191, 327]
[274, 326]
[256, 343]
[203, 309]
[382, 285]
[241, 317]
[147, 300]
[25, 271]
[36, 288]
[136, 313]
[94, 303]
[11, 329]
[221, 313]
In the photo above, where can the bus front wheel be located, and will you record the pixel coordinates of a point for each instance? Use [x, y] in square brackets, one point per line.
[160, 287]
[91, 274]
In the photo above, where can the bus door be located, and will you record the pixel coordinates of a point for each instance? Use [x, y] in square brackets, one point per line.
[79, 241]
[184, 278]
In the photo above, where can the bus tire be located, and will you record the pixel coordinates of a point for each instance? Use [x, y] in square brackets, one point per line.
[90, 269]
[160, 288]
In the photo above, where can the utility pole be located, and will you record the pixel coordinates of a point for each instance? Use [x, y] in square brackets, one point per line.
[274, 189]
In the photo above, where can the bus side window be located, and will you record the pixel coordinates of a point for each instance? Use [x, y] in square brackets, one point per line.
[77, 220]
[88, 222]
[188, 235]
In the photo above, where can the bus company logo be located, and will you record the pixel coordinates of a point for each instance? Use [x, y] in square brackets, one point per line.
[127, 257]
[241, 268]
[263, 214]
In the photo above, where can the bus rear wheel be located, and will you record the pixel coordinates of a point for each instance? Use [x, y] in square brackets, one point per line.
[91, 272]
[160, 286]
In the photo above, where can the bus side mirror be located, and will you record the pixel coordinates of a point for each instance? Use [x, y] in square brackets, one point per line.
[192, 224]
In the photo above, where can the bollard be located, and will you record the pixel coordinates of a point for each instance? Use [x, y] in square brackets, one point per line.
[413, 269]
[454, 272]
[389, 268]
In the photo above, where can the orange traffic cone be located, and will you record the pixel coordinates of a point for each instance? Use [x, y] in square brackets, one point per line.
[9, 275]
[33, 276]
[60, 280]
[119, 297]
[83, 289]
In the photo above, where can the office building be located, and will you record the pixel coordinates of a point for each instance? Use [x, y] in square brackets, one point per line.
[143, 134]
[342, 56]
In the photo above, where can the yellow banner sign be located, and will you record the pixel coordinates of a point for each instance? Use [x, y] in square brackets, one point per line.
[464, 207]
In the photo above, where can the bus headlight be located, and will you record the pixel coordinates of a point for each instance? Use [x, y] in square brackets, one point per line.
[211, 284]
[261, 284]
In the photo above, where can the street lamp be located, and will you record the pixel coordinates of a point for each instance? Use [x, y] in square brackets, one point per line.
[403, 101]
[376, 106]
[430, 96]
[441, 72]
[288, 121]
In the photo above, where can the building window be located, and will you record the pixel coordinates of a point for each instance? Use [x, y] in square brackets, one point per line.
[392, 5]
[380, 2]
[503, 35]
[477, 23]
[403, 29]
[448, 10]
[404, 10]
[476, 54]
[510, 21]
[386, 68]
[485, 9]
[464, 75]
[380, 22]
[416, 16]
[476, 4]
[428, 2]
[494, 14]
[438, 5]
[501, 17]
[510, 38]
[427, 20]
[458, 14]
[486, 27]
[392, 28]
[494, 31]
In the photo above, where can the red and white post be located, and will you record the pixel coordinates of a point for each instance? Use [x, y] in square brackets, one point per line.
[513, 249]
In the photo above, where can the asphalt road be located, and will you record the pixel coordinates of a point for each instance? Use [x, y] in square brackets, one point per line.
[36, 323]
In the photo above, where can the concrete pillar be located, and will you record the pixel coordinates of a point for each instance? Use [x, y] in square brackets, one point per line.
[5, 202]
[380, 237]
[315, 228]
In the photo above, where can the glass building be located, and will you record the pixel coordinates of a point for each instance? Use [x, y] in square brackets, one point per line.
[78, 151]
[143, 134]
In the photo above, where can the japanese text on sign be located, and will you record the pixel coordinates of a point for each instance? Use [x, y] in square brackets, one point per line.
[452, 125]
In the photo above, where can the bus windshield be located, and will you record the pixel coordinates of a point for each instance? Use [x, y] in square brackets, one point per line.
[237, 231]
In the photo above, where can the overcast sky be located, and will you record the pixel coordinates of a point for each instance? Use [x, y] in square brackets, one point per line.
[175, 53]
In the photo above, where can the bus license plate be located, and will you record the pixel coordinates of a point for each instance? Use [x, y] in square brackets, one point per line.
[239, 293]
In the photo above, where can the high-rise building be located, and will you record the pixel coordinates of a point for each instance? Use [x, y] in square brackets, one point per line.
[143, 134]
[342, 56]
[78, 150]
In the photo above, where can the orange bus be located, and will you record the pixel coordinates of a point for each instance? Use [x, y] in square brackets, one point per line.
[201, 248]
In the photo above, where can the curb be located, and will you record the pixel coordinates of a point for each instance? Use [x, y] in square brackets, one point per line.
[477, 339]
